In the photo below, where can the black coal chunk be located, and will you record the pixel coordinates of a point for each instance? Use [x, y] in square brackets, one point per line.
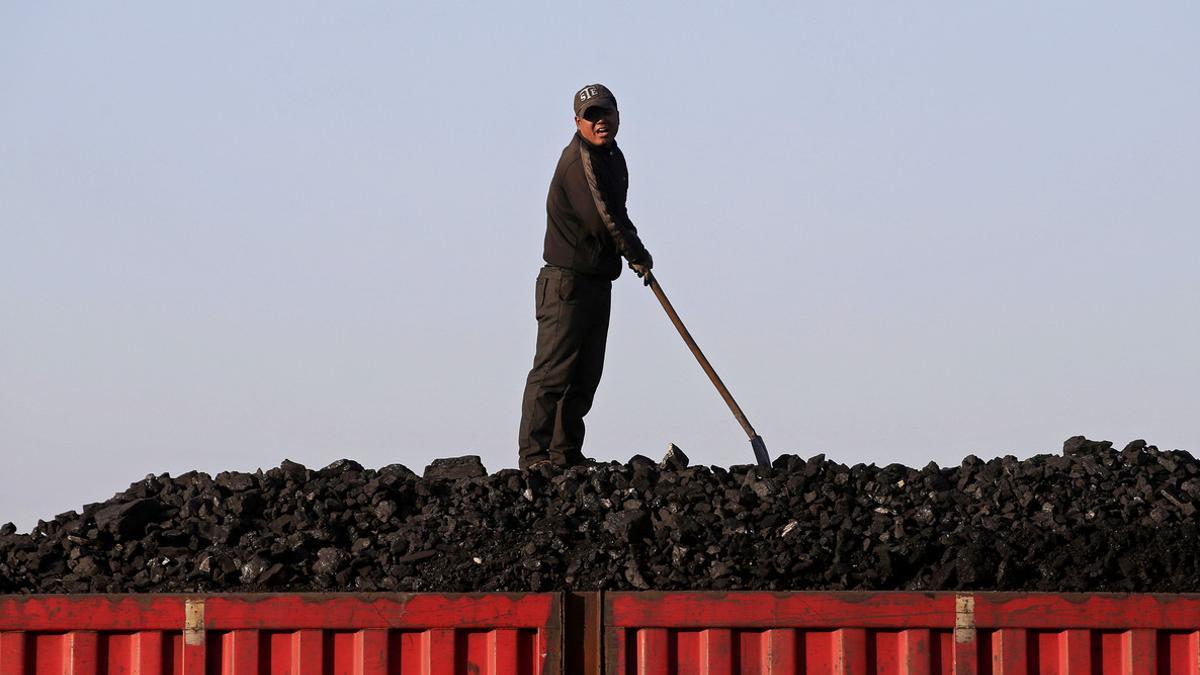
[675, 459]
[127, 520]
[454, 468]
[235, 482]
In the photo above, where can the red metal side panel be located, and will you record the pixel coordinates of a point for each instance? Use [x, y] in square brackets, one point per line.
[901, 633]
[12, 652]
[778, 633]
[300, 634]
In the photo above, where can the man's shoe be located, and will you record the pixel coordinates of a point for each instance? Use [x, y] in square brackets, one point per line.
[539, 465]
[574, 458]
[585, 462]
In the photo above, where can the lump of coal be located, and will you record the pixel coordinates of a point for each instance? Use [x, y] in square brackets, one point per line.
[674, 460]
[454, 468]
[127, 520]
[342, 465]
[330, 560]
[235, 482]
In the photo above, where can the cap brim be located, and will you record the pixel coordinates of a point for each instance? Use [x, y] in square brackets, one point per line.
[597, 102]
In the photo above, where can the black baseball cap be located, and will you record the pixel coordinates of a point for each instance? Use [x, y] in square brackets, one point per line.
[592, 95]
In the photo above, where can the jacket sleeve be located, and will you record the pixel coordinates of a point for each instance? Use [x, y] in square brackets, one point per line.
[614, 216]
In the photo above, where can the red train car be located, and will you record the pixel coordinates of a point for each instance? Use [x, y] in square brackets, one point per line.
[589, 633]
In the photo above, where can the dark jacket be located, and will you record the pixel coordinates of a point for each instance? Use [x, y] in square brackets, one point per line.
[587, 227]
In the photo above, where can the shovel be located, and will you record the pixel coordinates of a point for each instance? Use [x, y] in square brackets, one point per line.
[756, 441]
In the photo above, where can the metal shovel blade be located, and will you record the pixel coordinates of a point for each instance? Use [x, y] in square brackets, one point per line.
[760, 451]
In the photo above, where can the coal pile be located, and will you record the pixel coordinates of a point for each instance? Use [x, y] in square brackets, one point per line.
[1089, 519]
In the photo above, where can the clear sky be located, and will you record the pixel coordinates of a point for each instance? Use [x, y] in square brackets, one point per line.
[232, 233]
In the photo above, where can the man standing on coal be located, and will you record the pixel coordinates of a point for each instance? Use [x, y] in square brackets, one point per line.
[588, 231]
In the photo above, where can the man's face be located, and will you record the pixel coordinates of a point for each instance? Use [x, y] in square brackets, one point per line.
[598, 125]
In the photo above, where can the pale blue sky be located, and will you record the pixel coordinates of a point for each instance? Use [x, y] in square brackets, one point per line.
[232, 233]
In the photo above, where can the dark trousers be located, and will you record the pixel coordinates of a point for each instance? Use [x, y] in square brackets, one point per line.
[572, 316]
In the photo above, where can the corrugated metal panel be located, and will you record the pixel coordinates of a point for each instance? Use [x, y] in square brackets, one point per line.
[642, 633]
[299, 634]
[901, 633]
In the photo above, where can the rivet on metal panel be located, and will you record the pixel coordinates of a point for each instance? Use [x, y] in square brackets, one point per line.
[193, 623]
[964, 618]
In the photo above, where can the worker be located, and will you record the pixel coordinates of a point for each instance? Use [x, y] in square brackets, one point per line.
[587, 233]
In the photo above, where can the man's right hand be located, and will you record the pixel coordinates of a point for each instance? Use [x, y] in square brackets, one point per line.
[642, 268]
